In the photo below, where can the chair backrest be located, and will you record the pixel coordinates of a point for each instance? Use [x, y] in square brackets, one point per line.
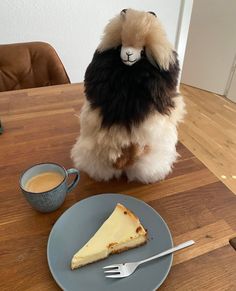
[29, 65]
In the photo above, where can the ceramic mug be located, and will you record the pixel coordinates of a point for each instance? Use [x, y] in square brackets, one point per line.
[52, 199]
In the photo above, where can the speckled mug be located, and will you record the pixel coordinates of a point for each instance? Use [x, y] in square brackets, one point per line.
[50, 200]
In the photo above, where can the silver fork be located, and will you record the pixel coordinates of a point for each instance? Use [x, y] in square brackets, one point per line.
[126, 269]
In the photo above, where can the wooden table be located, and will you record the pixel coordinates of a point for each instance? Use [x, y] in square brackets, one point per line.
[41, 125]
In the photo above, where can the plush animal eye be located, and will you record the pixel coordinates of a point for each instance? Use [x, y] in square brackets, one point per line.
[152, 13]
[142, 53]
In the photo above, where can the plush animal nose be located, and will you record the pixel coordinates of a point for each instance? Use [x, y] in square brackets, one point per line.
[129, 53]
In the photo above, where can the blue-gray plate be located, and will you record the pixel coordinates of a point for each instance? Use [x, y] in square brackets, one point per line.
[76, 226]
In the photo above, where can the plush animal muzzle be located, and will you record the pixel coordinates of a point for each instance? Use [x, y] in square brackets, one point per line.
[130, 55]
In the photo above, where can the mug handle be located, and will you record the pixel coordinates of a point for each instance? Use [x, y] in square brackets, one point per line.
[74, 183]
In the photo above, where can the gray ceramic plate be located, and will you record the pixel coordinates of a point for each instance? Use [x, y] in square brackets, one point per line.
[73, 229]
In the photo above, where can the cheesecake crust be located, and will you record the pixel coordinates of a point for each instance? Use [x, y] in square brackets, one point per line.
[116, 252]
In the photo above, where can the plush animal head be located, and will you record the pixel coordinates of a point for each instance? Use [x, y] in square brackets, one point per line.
[138, 33]
[134, 71]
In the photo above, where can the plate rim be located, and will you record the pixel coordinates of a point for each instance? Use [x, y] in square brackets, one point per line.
[93, 197]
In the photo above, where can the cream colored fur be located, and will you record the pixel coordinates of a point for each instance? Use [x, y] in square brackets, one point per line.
[97, 149]
[138, 29]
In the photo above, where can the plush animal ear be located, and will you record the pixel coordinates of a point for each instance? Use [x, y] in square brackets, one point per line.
[123, 12]
[151, 12]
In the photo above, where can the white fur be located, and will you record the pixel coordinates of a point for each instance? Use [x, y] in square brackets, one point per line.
[97, 149]
[130, 55]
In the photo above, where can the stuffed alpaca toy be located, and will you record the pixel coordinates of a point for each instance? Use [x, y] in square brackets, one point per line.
[128, 123]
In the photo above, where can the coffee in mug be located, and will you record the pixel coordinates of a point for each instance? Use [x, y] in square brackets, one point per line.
[44, 182]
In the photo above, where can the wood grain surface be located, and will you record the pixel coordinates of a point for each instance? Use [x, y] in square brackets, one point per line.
[215, 146]
[41, 125]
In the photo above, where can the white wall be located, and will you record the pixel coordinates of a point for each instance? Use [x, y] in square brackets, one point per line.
[182, 30]
[74, 27]
[211, 45]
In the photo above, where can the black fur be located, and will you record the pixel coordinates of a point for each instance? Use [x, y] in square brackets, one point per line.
[123, 11]
[153, 13]
[126, 94]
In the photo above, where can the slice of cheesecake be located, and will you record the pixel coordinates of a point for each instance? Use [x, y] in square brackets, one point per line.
[120, 232]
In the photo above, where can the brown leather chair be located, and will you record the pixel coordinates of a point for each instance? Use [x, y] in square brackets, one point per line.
[29, 65]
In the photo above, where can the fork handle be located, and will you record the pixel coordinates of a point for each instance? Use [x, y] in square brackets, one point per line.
[169, 251]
